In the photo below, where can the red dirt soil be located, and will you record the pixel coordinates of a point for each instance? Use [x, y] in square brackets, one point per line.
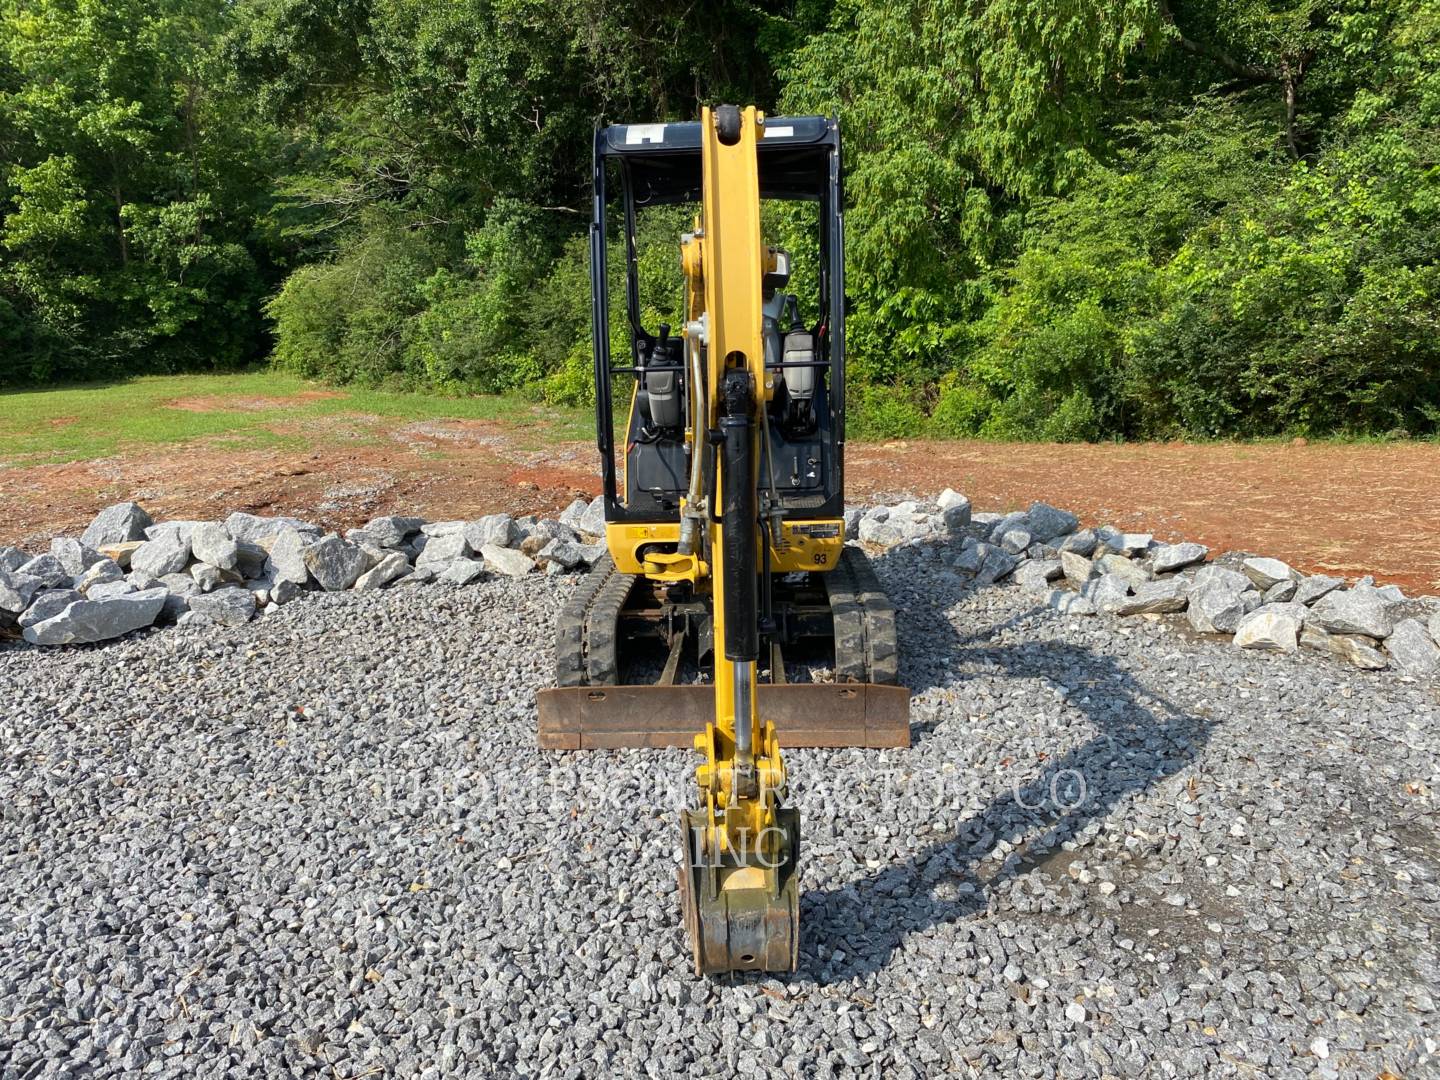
[1345, 510]
[229, 402]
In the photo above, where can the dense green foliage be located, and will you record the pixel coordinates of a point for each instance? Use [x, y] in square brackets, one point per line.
[129, 192]
[1067, 219]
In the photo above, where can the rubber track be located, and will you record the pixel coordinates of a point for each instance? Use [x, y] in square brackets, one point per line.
[602, 660]
[570, 625]
[882, 651]
[848, 619]
[864, 622]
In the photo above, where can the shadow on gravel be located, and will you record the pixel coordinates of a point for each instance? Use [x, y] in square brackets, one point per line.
[1140, 740]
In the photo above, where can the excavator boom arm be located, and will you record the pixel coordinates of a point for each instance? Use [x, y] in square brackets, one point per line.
[739, 853]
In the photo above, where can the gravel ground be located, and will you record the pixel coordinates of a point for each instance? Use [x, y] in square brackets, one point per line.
[324, 844]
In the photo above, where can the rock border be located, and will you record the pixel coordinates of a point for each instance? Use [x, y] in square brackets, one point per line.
[127, 572]
[1257, 603]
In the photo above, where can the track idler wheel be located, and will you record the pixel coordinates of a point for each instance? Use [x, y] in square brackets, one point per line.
[740, 917]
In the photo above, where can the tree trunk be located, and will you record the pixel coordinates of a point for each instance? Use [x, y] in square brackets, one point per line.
[1292, 95]
[120, 227]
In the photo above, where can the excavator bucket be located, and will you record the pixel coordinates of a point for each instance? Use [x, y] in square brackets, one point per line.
[738, 916]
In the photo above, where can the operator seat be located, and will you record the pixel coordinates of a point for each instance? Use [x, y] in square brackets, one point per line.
[793, 345]
[660, 391]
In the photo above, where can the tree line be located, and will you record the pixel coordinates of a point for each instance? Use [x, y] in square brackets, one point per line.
[1067, 219]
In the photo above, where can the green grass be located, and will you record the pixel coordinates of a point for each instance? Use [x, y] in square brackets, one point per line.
[99, 419]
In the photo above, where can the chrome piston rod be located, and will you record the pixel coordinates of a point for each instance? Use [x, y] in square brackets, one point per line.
[744, 748]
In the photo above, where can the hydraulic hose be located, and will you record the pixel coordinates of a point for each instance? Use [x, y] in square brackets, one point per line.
[742, 631]
[691, 518]
[777, 511]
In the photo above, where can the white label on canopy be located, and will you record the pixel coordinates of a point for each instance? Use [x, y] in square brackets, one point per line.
[785, 132]
[638, 134]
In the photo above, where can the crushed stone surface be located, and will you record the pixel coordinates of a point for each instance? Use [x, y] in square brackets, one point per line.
[325, 844]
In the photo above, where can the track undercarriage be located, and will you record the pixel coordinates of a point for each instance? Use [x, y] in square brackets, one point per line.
[622, 638]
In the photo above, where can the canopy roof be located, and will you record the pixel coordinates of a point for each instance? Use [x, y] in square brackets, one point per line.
[662, 161]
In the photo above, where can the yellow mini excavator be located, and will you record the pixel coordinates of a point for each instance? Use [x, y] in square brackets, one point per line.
[724, 517]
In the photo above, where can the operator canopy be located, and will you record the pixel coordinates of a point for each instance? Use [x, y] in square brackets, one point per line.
[663, 160]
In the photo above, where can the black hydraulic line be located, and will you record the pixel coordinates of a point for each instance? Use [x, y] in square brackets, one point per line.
[712, 439]
[767, 592]
[832, 255]
[767, 523]
[599, 319]
[742, 624]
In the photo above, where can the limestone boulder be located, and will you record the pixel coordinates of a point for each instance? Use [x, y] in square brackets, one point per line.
[1046, 522]
[573, 514]
[1310, 589]
[1168, 558]
[1216, 609]
[117, 524]
[1080, 543]
[1107, 592]
[507, 561]
[47, 605]
[1076, 567]
[1354, 611]
[439, 551]
[88, 620]
[264, 530]
[1412, 648]
[101, 572]
[166, 554]
[106, 589]
[493, 529]
[230, 606]
[212, 544]
[76, 557]
[46, 568]
[392, 530]
[463, 571]
[1270, 628]
[1358, 650]
[286, 559]
[1282, 592]
[336, 564]
[1268, 572]
[592, 522]
[391, 568]
[1156, 598]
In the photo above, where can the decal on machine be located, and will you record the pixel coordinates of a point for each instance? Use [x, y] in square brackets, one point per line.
[640, 134]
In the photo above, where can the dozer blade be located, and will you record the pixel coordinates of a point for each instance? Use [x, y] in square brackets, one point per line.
[804, 714]
[740, 918]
